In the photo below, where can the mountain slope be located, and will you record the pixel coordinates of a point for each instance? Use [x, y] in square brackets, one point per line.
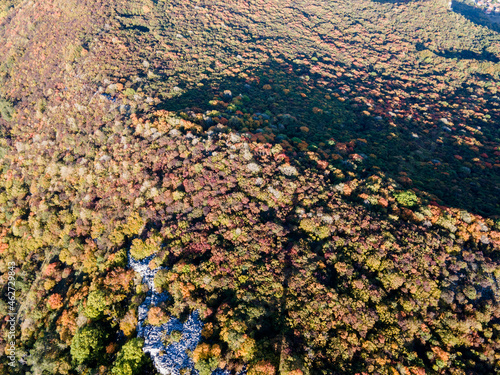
[300, 254]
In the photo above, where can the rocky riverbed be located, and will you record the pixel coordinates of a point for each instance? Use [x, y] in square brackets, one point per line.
[168, 359]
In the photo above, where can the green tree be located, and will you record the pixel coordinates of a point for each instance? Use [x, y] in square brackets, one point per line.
[96, 303]
[406, 198]
[130, 358]
[87, 344]
[6, 109]
[142, 249]
[161, 280]
[207, 366]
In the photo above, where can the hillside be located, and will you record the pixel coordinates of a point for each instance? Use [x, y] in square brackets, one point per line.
[250, 186]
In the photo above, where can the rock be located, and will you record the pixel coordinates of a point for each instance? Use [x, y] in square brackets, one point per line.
[168, 359]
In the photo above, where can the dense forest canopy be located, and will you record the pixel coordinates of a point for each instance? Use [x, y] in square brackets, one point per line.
[248, 187]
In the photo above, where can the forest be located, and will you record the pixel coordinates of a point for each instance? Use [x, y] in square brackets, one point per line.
[248, 187]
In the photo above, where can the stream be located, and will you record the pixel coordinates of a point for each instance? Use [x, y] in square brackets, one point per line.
[170, 359]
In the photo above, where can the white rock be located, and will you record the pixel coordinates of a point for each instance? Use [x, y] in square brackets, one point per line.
[175, 356]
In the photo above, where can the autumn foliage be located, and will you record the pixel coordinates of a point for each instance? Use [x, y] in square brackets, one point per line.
[323, 191]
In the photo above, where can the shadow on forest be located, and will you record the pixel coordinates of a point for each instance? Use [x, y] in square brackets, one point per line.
[463, 54]
[393, 1]
[475, 15]
[468, 55]
[470, 12]
[291, 118]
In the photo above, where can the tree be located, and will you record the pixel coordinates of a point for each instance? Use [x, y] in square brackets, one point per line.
[406, 198]
[55, 301]
[206, 358]
[96, 303]
[87, 344]
[128, 323]
[130, 358]
[6, 109]
[142, 249]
